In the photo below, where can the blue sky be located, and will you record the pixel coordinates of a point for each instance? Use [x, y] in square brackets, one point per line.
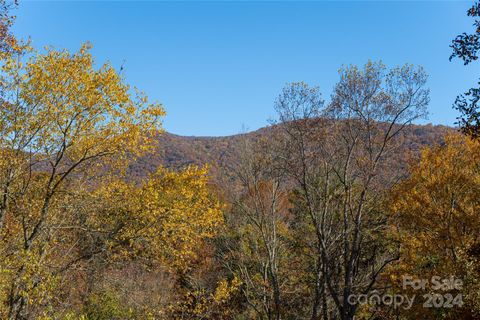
[218, 66]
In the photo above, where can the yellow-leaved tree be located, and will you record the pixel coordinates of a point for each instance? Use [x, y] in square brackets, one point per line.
[64, 122]
[165, 220]
[436, 215]
[159, 226]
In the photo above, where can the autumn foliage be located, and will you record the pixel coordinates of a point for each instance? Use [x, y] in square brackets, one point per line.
[435, 213]
[333, 201]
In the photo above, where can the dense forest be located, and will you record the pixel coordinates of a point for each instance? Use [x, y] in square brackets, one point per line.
[343, 208]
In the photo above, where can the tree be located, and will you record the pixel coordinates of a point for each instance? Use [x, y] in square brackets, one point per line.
[436, 219]
[334, 156]
[466, 46]
[162, 226]
[8, 43]
[62, 123]
[258, 253]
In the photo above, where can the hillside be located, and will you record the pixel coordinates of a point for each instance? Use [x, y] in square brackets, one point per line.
[174, 151]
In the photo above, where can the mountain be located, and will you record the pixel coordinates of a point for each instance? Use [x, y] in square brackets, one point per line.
[175, 152]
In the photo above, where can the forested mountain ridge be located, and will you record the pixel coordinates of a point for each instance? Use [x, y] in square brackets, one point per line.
[175, 152]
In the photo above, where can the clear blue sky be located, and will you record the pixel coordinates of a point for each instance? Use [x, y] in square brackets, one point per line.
[218, 66]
